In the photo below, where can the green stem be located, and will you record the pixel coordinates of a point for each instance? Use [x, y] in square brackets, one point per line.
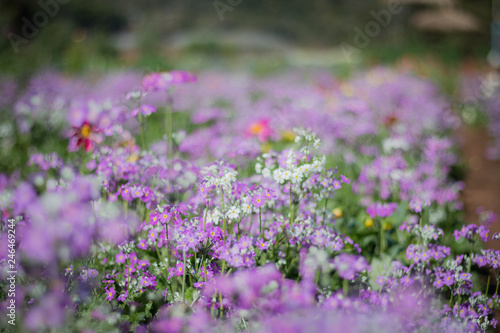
[168, 249]
[125, 207]
[224, 225]
[184, 278]
[260, 221]
[195, 263]
[205, 217]
[168, 128]
[382, 238]
[345, 287]
[291, 206]
[204, 268]
[496, 289]
[470, 258]
[251, 223]
[221, 306]
[141, 121]
[488, 284]
[220, 294]
[324, 211]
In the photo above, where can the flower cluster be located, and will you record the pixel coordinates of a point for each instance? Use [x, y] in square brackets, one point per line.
[229, 217]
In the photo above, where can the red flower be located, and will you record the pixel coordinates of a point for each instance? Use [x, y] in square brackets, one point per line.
[85, 136]
[260, 129]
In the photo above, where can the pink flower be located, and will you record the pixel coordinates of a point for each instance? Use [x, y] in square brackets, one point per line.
[179, 77]
[177, 270]
[143, 245]
[86, 136]
[120, 258]
[162, 81]
[258, 200]
[262, 245]
[260, 129]
[154, 82]
[110, 294]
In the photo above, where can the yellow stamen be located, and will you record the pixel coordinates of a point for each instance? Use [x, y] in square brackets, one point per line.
[85, 131]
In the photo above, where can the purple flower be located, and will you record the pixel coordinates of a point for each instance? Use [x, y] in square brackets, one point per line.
[92, 273]
[262, 245]
[120, 258]
[448, 279]
[178, 270]
[132, 257]
[147, 109]
[143, 263]
[406, 281]
[152, 234]
[382, 210]
[344, 179]
[110, 293]
[154, 82]
[123, 297]
[145, 281]
[259, 200]
[348, 265]
[438, 283]
[142, 244]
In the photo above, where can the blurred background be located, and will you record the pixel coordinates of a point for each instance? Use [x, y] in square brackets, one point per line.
[448, 41]
[73, 35]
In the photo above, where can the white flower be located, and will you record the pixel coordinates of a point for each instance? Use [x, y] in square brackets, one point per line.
[278, 176]
[266, 173]
[247, 208]
[296, 177]
[231, 176]
[215, 182]
[233, 212]
[306, 168]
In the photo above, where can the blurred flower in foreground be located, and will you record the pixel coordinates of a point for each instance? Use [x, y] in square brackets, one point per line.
[337, 212]
[85, 136]
[260, 129]
[163, 81]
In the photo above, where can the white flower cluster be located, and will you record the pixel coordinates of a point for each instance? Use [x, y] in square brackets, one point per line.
[297, 167]
[214, 216]
[428, 233]
[307, 138]
[219, 176]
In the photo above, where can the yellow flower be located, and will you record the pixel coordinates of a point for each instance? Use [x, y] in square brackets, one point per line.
[265, 147]
[337, 212]
[369, 222]
[133, 158]
[387, 226]
[288, 135]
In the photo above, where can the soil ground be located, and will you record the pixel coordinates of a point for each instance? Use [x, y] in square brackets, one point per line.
[482, 183]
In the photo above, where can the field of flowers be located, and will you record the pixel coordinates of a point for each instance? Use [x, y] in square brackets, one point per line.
[222, 202]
